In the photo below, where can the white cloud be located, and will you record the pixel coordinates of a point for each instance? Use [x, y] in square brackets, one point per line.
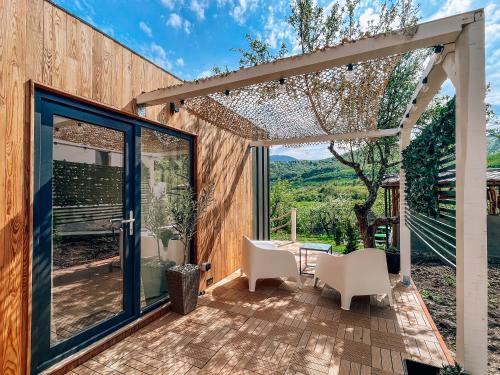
[179, 61]
[146, 29]
[198, 7]
[241, 10]
[174, 20]
[492, 28]
[313, 152]
[368, 17]
[277, 29]
[452, 7]
[158, 55]
[186, 25]
[177, 22]
[170, 4]
[85, 7]
[206, 73]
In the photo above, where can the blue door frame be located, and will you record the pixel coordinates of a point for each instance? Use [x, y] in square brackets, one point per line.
[48, 104]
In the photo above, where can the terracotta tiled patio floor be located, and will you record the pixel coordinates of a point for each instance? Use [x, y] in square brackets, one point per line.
[277, 330]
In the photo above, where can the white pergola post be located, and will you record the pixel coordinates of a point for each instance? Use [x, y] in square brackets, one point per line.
[404, 231]
[472, 265]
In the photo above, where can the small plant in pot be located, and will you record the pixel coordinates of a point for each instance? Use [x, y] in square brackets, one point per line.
[183, 280]
[153, 268]
[393, 259]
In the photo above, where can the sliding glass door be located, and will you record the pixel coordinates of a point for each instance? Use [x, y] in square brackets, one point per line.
[103, 238]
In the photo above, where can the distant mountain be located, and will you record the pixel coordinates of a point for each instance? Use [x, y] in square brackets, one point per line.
[281, 158]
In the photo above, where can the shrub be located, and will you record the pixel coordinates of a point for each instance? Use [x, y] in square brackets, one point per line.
[351, 235]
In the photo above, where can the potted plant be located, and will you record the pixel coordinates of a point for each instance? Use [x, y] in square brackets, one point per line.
[153, 268]
[393, 259]
[183, 280]
[413, 368]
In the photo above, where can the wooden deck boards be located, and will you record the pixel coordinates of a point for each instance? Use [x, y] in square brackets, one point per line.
[279, 329]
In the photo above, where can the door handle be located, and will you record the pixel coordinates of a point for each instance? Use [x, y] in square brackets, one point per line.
[130, 221]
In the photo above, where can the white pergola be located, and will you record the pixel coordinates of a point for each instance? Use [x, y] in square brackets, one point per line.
[462, 60]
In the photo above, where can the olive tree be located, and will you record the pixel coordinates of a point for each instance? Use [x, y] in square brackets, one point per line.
[316, 28]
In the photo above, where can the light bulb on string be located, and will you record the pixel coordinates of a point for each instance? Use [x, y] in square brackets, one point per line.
[282, 86]
[425, 85]
[350, 73]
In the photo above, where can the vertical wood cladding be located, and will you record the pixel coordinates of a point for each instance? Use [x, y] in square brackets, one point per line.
[40, 42]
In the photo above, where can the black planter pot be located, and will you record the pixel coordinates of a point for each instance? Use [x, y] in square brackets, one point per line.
[419, 368]
[183, 284]
[393, 264]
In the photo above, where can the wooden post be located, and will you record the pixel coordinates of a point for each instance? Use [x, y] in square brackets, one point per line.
[294, 224]
[472, 260]
[404, 231]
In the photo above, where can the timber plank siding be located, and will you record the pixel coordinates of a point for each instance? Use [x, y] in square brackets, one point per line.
[40, 42]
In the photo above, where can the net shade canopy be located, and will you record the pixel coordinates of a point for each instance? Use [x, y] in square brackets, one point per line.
[333, 101]
[318, 97]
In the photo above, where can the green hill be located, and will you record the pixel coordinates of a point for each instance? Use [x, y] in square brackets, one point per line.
[282, 158]
[307, 172]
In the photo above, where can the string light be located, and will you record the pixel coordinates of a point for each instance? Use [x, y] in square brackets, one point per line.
[425, 86]
[350, 73]
[282, 86]
[414, 107]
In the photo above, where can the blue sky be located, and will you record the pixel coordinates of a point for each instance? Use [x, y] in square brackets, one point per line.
[189, 37]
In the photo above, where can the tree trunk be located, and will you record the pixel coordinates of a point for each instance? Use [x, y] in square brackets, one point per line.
[365, 230]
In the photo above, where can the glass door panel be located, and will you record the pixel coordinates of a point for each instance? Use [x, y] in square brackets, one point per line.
[165, 170]
[88, 179]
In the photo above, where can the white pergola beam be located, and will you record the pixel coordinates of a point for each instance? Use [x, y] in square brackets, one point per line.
[425, 92]
[428, 34]
[328, 138]
[423, 95]
[471, 252]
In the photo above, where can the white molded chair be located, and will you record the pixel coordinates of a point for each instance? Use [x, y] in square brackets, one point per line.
[263, 259]
[360, 273]
[150, 245]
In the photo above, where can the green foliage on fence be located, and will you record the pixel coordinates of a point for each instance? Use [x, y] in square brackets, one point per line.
[421, 160]
[80, 184]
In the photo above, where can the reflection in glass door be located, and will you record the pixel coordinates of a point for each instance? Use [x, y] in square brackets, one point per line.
[88, 175]
[94, 268]
[165, 170]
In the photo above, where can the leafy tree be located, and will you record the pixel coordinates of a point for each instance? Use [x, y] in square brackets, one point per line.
[281, 201]
[315, 28]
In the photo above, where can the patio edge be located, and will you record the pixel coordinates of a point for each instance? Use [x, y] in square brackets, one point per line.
[438, 335]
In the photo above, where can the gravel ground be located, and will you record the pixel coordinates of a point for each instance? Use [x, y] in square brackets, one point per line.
[436, 283]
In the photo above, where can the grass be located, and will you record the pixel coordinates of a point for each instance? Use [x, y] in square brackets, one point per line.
[494, 160]
[450, 280]
[324, 239]
[429, 295]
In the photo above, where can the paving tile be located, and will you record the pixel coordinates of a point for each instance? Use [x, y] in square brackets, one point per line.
[353, 351]
[279, 329]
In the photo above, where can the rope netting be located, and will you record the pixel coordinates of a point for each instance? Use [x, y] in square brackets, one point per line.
[333, 101]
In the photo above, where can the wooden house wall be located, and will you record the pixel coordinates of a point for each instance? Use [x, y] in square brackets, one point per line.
[39, 41]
